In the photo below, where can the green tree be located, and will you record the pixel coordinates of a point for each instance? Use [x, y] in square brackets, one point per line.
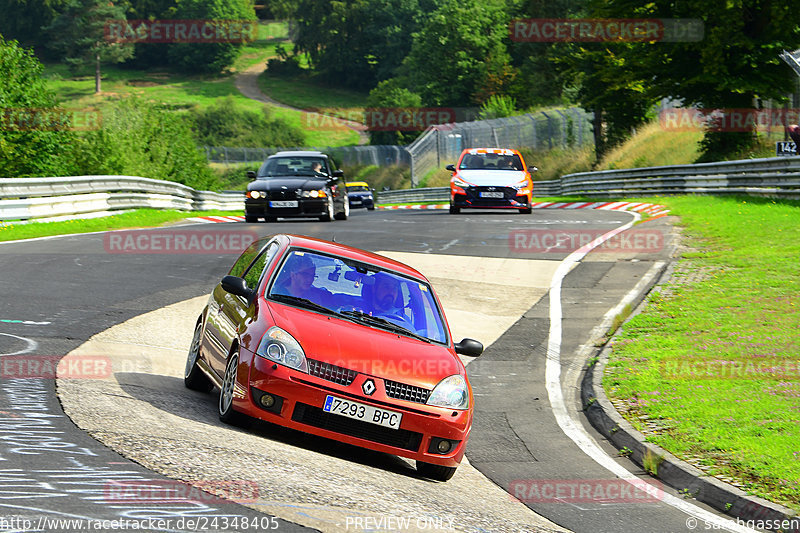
[79, 35]
[24, 20]
[734, 64]
[209, 57]
[459, 57]
[357, 43]
[33, 129]
[389, 94]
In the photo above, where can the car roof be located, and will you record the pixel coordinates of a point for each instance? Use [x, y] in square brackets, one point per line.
[342, 250]
[498, 151]
[299, 153]
[364, 183]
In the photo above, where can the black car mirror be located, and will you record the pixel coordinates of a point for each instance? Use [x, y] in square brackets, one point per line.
[469, 347]
[451, 168]
[251, 174]
[338, 173]
[533, 169]
[237, 286]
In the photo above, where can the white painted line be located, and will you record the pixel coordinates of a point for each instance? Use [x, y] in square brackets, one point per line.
[31, 345]
[571, 427]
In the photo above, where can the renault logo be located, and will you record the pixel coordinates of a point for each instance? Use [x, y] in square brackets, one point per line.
[368, 387]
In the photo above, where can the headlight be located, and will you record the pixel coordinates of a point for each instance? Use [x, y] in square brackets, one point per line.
[277, 345]
[521, 185]
[458, 182]
[315, 194]
[451, 392]
[255, 195]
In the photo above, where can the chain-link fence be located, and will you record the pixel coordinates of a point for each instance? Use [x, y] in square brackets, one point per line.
[544, 130]
[342, 155]
[442, 144]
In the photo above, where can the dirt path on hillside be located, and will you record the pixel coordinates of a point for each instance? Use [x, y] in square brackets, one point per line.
[247, 84]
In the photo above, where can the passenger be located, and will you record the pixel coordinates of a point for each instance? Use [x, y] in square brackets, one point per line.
[297, 278]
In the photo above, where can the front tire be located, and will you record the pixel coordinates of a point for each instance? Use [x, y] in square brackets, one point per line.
[454, 210]
[193, 377]
[439, 473]
[345, 211]
[226, 412]
[526, 211]
[327, 217]
[250, 218]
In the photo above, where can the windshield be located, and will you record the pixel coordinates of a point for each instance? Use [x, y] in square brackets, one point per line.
[293, 166]
[357, 188]
[359, 292]
[491, 162]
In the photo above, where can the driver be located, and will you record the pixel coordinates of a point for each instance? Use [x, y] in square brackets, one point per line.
[297, 278]
[385, 293]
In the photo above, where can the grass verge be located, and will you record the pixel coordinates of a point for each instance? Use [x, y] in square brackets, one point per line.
[140, 218]
[709, 370]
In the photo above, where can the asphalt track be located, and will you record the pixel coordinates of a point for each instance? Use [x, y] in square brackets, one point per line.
[58, 293]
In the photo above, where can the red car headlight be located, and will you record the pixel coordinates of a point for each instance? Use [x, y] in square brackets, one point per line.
[451, 392]
[279, 346]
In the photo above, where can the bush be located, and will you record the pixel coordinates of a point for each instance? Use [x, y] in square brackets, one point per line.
[139, 139]
[33, 130]
[223, 124]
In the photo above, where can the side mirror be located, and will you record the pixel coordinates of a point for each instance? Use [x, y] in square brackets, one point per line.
[237, 286]
[451, 168]
[251, 174]
[338, 173]
[469, 347]
[533, 169]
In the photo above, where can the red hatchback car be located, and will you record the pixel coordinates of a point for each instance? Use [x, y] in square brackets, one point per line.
[337, 342]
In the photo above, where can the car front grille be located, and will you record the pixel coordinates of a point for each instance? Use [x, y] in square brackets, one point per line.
[329, 372]
[401, 391]
[316, 417]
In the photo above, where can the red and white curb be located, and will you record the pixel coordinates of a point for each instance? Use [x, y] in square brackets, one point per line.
[216, 219]
[651, 209]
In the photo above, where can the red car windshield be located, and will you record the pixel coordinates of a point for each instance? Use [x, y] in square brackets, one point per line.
[359, 292]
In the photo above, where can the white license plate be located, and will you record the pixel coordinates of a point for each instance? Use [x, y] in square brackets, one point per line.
[283, 203]
[492, 195]
[363, 412]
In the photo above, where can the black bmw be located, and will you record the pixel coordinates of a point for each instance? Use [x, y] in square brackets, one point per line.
[297, 184]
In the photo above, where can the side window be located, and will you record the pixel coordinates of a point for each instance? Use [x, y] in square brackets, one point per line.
[245, 259]
[254, 272]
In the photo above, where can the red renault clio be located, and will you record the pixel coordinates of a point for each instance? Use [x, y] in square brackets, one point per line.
[337, 342]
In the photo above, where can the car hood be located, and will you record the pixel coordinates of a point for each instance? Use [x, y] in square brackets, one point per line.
[496, 178]
[366, 349]
[292, 183]
[359, 193]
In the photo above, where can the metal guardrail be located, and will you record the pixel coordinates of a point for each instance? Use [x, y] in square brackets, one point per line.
[32, 198]
[770, 177]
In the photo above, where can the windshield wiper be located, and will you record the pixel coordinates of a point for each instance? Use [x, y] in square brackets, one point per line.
[303, 302]
[382, 322]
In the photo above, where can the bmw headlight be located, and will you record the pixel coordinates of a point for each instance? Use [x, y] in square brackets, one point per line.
[315, 194]
[278, 346]
[458, 182]
[451, 392]
[256, 195]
